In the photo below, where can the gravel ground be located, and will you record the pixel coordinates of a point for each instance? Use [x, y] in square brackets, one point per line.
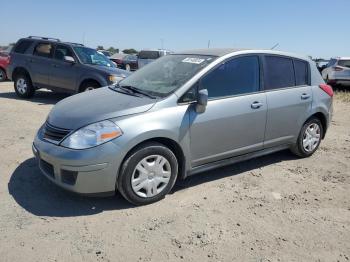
[274, 208]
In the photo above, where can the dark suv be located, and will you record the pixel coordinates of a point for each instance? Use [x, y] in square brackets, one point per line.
[42, 62]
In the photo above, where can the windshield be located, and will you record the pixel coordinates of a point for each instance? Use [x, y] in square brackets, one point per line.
[166, 74]
[91, 56]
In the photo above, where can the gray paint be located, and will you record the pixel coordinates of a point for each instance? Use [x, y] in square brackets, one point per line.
[228, 131]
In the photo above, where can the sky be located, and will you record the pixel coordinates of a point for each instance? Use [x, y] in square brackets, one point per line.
[319, 28]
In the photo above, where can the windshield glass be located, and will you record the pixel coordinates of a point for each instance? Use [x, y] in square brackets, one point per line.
[91, 56]
[166, 74]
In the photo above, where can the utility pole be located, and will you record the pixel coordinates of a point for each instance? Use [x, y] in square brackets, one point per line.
[83, 38]
[208, 43]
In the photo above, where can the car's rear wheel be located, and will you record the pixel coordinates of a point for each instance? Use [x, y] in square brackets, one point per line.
[148, 174]
[127, 67]
[23, 86]
[2, 75]
[309, 138]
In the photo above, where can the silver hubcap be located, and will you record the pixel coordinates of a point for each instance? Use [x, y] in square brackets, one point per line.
[151, 176]
[127, 68]
[311, 137]
[89, 88]
[21, 85]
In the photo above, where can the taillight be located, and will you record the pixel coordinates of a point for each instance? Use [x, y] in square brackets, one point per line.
[327, 88]
[337, 68]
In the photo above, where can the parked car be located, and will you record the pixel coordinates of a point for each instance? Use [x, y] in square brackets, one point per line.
[41, 62]
[337, 71]
[4, 62]
[147, 56]
[117, 58]
[183, 114]
[105, 52]
[128, 62]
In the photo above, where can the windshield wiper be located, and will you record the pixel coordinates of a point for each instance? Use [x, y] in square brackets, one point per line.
[136, 90]
[118, 89]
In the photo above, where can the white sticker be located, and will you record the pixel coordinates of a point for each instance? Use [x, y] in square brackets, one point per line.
[193, 60]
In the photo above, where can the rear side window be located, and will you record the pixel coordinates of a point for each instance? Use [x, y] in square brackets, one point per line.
[301, 72]
[345, 63]
[43, 50]
[149, 55]
[235, 77]
[22, 46]
[278, 72]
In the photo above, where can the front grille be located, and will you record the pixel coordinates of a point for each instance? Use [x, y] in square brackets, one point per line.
[69, 177]
[47, 168]
[53, 133]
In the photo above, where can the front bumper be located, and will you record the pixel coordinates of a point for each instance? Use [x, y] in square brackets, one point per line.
[88, 171]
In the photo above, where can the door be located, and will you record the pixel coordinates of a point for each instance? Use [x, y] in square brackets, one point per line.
[235, 117]
[289, 98]
[40, 63]
[63, 74]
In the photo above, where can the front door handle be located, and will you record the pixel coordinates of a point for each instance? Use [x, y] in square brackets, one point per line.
[256, 105]
[305, 96]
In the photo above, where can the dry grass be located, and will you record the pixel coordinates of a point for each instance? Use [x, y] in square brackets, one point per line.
[342, 95]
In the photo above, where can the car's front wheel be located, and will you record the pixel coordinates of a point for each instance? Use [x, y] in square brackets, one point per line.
[148, 174]
[23, 86]
[127, 67]
[309, 138]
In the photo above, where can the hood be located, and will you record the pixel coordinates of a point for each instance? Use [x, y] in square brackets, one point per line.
[96, 105]
[110, 70]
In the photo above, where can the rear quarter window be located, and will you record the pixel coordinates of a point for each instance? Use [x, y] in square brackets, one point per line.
[278, 72]
[22, 46]
[301, 72]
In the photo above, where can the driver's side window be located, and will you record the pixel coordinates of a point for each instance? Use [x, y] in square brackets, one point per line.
[240, 75]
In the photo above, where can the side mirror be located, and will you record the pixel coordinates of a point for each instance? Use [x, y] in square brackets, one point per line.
[202, 100]
[69, 59]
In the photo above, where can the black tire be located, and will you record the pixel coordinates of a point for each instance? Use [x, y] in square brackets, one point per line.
[298, 149]
[87, 86]
[124, 180]
[22, 92]
[2, 75]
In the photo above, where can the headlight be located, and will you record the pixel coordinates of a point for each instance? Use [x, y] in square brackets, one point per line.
[115, 78]
[92, 135]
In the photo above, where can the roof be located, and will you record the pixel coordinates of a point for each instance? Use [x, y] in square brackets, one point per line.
[211, 51]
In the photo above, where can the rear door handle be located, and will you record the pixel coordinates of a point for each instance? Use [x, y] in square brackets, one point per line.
[256, 105]
[305, 96]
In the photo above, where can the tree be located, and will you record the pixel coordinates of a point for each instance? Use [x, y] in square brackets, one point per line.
[130, 51]
[113, 50]
[100, 47]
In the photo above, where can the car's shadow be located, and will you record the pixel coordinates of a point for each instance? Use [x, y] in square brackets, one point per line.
[32, 191]
[41, 97]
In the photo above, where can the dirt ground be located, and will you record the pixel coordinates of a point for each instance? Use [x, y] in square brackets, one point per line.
[274, 208]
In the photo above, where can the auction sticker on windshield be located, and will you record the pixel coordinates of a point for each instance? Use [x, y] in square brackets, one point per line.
[193, 60]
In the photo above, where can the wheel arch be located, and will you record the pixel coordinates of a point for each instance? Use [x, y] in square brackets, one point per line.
[172, 145]
[20, 70]
[322, 117]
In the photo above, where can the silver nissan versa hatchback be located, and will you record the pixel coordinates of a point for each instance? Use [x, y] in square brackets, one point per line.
[183, 114]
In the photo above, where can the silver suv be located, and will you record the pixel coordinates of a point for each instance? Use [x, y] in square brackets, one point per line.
[337, 71]
[183, 114]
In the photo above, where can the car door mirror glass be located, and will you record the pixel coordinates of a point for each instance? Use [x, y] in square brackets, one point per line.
[69, 59]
